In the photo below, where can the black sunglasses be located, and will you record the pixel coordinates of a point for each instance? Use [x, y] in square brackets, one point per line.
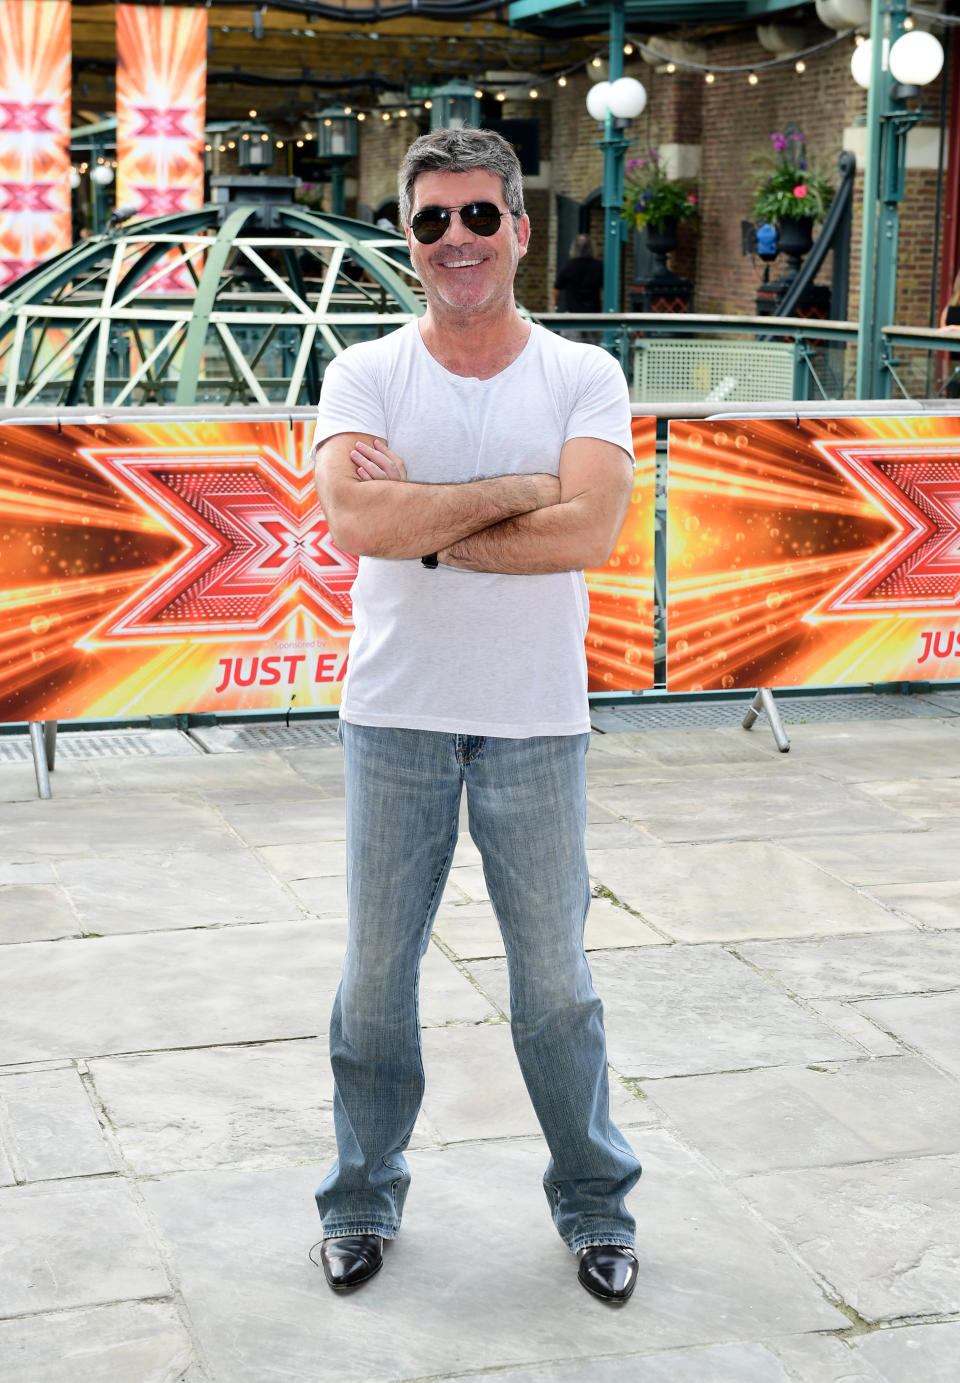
[430, 224]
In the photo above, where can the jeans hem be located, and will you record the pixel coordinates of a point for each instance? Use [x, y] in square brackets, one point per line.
[591, 1241]
[359, 1227]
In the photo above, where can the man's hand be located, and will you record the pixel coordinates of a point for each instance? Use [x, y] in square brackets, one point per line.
[377, 461]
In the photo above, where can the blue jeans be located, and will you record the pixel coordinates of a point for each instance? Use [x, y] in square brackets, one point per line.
[527, 810]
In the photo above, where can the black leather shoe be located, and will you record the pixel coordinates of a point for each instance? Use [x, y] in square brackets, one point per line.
[351, 1260]
[608, 1271]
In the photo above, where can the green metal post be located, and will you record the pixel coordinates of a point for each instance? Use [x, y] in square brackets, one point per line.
[882, 192]
[614, 147]
[338, 193]
[892, 165]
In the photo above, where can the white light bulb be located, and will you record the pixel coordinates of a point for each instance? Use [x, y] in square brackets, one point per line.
[597, 100]
[626, 98]
[862, 61]
[916, 58]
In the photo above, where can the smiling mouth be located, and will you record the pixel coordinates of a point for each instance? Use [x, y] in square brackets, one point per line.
[460, 263]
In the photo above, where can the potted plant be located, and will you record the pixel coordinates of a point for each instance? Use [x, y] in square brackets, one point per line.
[792, 195]
[653, 202]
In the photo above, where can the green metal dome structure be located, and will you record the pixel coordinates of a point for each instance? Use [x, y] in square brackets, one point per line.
[273, 293]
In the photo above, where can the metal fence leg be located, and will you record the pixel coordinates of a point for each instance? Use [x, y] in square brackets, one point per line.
[41, 765]
[50, 743]
[763, 701]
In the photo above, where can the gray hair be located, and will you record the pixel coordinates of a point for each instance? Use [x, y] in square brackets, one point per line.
[582, 247]
[462, 151]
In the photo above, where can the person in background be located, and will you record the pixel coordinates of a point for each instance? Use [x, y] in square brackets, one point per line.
[577, 286]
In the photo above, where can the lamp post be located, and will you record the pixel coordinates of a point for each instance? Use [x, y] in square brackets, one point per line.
[337, 145]
[255, 148]
[615, 103]
[893, 66]
[454, 105]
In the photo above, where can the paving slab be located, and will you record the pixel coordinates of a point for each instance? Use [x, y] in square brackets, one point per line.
[613, 834]
[77, 1243]
[133, 1342]
[302, 860]
[749, 806]
[741, 1363]
[50, 1127]
[864, 750]
[475, 1090]
[35, 912]
[706, 1269]
[303, 822]
[907, 1354]
[685, 1010]
[191, 888]
[925, 799]
[898, 963]
[32, 872]
[928, 1022]
[722, 745]
[321, 768]
[820, 1359]
[696, 892]
[470, 930]
[849, 1022]
[323, 895]
[167, 989]
[931, 905]
[110, 827]
[219, 1106]
[18, 781]
[219, 778]
[808, 1116]
[885, 1235]
[885, 856]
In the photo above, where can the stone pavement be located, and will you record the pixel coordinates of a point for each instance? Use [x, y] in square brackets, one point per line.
[777, 941]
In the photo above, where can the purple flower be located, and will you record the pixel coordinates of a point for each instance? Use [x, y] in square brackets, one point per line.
[779, 142]
[797, 138]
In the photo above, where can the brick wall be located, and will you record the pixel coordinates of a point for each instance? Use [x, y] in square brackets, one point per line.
[732, 122]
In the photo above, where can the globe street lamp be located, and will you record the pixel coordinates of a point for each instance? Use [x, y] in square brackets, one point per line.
[891, 70]
[614, 103]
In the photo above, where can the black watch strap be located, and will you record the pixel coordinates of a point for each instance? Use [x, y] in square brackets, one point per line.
[431, 560]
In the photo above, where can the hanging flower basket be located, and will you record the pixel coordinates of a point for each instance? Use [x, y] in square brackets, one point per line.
[651, 198]
[791, 189]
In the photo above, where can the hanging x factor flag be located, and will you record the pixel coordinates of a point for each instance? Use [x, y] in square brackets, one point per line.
[813, 552]
[175, 564]
[34, 133]
[161, 112]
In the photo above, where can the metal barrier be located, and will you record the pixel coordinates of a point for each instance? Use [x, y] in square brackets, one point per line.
[823, 354]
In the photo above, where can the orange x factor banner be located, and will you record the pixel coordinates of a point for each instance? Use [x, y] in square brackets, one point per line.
[621, 635]
[34, 133]
[813, 552]
[161, 105]
[184, 564]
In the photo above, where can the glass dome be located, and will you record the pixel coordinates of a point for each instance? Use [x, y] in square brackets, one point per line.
[231, 304]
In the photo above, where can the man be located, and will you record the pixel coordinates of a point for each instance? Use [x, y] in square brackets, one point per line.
[477, 463]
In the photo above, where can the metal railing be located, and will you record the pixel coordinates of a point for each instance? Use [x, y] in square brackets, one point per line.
[823, 353]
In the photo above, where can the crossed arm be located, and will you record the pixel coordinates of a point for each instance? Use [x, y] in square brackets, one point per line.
[513, 524]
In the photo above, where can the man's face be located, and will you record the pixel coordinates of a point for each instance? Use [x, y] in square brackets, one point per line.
[463, 270]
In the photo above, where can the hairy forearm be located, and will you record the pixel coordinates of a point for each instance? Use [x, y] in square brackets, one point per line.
[397, 519]
[563, 537]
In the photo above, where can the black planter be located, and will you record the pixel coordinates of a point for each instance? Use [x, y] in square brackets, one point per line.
[795, 238]
[663, 239]
[660, 241]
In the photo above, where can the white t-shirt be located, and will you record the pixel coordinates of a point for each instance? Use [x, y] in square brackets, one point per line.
[466, 652]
